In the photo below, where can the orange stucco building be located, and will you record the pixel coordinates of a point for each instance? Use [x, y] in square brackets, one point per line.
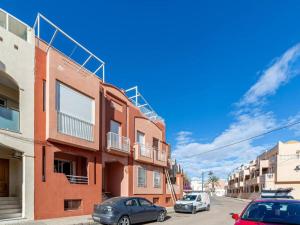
[92, 140]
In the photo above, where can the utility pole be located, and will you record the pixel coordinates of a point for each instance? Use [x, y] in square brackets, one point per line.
[202, 180]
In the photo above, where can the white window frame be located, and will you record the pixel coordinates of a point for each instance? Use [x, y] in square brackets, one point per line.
[156, 173]
[144, 139]
[145, 178]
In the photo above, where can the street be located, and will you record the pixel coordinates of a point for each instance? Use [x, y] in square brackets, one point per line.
[218, 214]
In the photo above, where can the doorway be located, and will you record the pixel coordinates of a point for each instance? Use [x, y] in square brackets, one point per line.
[4, 177]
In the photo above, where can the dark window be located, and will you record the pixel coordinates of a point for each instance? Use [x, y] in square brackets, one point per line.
[3, 102]
[95, 171]
[144, 202]
[73, 204]
[44, 163]
[155, 200]
[44, 95]
[199, 198]
[155, 143]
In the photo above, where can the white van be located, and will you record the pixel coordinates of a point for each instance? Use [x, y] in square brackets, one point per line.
[193, 202]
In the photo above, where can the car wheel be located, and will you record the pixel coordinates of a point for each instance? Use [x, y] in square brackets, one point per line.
[194, 210]
[124, 220]
[161, 216]
[207, 207]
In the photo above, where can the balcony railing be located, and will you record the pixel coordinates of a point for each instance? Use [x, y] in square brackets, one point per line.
[145, 150]
[75, 127]
[77, 179]
[9, 119]
[118, 142]
[160, 155]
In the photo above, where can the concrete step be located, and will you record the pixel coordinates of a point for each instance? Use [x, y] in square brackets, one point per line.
[10, 202]
[10, 211]
[10, 206]
[8, 198]
[10, 216]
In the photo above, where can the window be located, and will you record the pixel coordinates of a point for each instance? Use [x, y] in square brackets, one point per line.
[199, 198]
[74, 103]
[75, 113]
[156, 179]
[140, 137]
[44, 95]
[131, 202]
[142, 177]
[44, 163]
[155, 200]
[145, 202]
[3, 102]
[63, 166]
[155, 143]
[115, 127]
[73, 204]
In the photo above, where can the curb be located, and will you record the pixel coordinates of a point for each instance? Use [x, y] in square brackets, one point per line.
[239, 199]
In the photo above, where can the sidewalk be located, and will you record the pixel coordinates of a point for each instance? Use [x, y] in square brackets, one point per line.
[75, 220]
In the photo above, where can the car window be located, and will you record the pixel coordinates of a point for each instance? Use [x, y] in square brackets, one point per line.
[131, 202]
[199, 198]
[273, 212]
[189, 197]
[144, 202]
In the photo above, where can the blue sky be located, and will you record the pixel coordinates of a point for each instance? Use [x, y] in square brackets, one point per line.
[217, 71]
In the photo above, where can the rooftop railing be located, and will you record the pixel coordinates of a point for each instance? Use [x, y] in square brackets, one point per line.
[56, 38]
[139, 101]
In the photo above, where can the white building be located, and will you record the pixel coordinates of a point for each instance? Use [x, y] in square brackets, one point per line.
[196, 184]
[17, 47]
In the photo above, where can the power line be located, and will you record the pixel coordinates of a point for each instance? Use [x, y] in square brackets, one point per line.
[246, 139]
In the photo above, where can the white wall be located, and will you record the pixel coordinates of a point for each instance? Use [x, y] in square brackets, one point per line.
[19, 64]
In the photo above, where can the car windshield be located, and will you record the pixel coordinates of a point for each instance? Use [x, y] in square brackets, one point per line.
[273, 212]
[189, 197]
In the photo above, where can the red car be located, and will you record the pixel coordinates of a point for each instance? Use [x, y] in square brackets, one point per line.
[270, 212]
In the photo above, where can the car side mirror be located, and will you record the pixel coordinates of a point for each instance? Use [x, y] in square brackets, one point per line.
[235, 216]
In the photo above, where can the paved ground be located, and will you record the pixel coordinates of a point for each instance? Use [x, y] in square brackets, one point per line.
[219, 214]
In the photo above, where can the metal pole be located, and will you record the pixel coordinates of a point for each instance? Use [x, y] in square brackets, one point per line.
[202, 180]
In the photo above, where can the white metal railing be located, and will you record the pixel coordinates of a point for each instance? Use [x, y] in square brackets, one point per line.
[161, 155]
[145, 150]
[56, 38]
[77, 179]
[139, 101]
[118, 142]
[73, 126]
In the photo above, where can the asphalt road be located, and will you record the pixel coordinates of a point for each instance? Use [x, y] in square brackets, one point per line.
[218, 214]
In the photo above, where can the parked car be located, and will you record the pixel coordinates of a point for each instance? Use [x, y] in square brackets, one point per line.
[193, 202]
[277, 193]
[270, 212]
[128, 210]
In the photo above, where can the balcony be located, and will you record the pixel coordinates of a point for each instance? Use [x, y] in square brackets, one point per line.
[69, 125]
[146, 153]
[117, 143]
[264, 163]
[77, 179]
[160, 157]
[268, 177]
[9, 119]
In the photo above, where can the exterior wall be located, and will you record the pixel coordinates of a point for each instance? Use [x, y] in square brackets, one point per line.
[149, 189]
[19, 65]
[150, 130]
[63, 70]
[51, 189]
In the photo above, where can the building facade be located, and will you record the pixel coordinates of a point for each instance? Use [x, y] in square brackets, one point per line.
[276, 168]
[68, 139]
[16, 118]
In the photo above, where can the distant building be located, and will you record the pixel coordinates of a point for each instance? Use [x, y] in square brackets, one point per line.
[276, 168]
[196, 184]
